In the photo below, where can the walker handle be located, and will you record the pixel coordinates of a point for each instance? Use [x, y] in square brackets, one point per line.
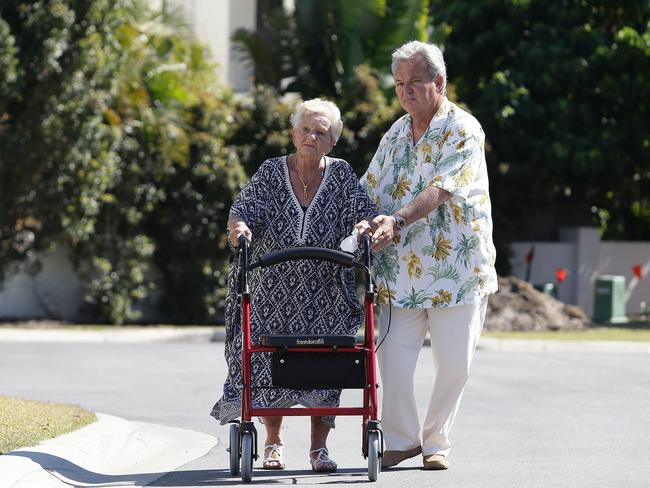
[243, 279]
[366, 251]
[295, 253]
[243, 247]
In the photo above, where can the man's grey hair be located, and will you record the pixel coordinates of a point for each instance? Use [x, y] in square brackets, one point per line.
[324, 108]
[431, 54]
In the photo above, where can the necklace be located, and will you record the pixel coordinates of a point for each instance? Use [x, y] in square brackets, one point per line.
[306, 185]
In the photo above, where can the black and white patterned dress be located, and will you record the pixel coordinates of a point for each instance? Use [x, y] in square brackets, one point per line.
[295, 297]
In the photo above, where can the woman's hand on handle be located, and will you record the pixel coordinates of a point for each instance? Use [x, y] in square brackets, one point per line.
[237, 229]
[364, 227]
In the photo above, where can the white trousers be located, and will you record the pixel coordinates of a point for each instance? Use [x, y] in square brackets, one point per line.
[454, 334]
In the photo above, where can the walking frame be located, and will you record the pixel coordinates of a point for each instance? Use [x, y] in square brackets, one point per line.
[354, 362]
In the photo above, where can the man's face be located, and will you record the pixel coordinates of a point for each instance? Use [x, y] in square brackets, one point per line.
[416, 89]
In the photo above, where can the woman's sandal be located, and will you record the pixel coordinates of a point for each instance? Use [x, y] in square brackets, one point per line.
[273, 457]
[322, 462]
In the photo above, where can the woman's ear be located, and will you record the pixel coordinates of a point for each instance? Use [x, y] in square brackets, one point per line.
[293, 136]
[332, 144]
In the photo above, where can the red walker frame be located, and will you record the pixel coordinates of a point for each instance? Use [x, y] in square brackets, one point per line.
[369, 410]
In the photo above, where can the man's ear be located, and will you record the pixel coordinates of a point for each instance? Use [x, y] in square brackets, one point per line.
[439, 82]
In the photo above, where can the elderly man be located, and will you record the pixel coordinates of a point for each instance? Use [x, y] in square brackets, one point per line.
[430, 182]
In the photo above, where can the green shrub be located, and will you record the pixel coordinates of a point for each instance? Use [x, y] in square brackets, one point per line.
[264, 130]
[112, 129]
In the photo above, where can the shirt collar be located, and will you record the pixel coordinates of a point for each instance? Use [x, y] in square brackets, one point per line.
[405, 128]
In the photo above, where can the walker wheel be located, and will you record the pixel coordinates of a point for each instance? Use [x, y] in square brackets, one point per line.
[247, 457]
[234, 448]
[374, 463]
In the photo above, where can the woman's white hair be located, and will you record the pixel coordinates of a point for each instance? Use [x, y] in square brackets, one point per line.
[324, 108]
[431, 54]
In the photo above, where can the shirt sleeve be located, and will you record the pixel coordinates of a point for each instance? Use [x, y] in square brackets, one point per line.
[249, 205]
[357, 203]
[364, 207]
[458, 163]
[370, 179]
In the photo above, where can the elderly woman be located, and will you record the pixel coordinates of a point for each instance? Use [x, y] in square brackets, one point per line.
[304, 199]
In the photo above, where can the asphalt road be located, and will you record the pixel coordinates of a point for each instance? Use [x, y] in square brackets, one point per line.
[528, 419]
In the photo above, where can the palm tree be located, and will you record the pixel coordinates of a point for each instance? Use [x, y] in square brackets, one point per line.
[315, 49]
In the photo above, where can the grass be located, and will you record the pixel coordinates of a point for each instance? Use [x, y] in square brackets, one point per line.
[26, 423]
[623, 333]
[53, 324]
[637, 329]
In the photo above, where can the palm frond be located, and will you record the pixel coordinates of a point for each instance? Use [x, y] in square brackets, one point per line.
[468, 286]
[443, 271]
[414, 231]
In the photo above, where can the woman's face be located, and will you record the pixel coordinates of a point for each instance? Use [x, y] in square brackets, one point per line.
[312, 136]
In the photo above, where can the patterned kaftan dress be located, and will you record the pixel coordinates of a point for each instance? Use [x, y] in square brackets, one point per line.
[295, 297]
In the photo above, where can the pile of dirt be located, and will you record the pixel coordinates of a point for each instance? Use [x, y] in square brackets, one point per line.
[517, 306]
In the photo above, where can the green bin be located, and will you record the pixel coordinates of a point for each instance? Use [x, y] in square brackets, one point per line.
[547, 288]
[609, 299]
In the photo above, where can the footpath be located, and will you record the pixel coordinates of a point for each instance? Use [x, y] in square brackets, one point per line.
[111, 451]
[118, 452]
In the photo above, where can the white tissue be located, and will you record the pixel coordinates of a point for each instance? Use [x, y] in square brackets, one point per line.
[349, 244]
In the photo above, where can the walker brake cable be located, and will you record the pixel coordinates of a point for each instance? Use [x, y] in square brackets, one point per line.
[390, 301]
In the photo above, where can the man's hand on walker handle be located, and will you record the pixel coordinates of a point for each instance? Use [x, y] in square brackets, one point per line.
[384, 231]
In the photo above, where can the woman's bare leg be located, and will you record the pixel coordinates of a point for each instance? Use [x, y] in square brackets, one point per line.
[272, 446]
[319, 454]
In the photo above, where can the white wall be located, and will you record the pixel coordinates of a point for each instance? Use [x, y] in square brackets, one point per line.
[548, 257]
[242, 15]
[585, 257]
[214, 21]
[54, 293]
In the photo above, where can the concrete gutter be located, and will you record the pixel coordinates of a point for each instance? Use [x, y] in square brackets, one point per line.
[109, 452]
[549, 345]
[217, 334]
[118, 335]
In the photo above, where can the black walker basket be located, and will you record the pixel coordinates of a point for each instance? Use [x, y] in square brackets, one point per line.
[306, 370]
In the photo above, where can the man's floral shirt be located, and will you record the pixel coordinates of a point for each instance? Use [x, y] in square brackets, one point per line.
[447, 258]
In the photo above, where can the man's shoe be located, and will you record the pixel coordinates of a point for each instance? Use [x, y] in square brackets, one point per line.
[393, 458]
[435, 461]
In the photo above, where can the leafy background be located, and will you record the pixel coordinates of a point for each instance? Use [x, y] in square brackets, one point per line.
[118, 142]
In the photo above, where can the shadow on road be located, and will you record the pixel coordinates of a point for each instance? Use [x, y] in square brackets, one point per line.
[71, 473]
[222, 477]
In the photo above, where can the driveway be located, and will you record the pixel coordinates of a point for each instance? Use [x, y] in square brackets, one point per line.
[529, 419]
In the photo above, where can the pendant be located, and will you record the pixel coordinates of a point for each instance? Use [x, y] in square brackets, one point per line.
[304, 191]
